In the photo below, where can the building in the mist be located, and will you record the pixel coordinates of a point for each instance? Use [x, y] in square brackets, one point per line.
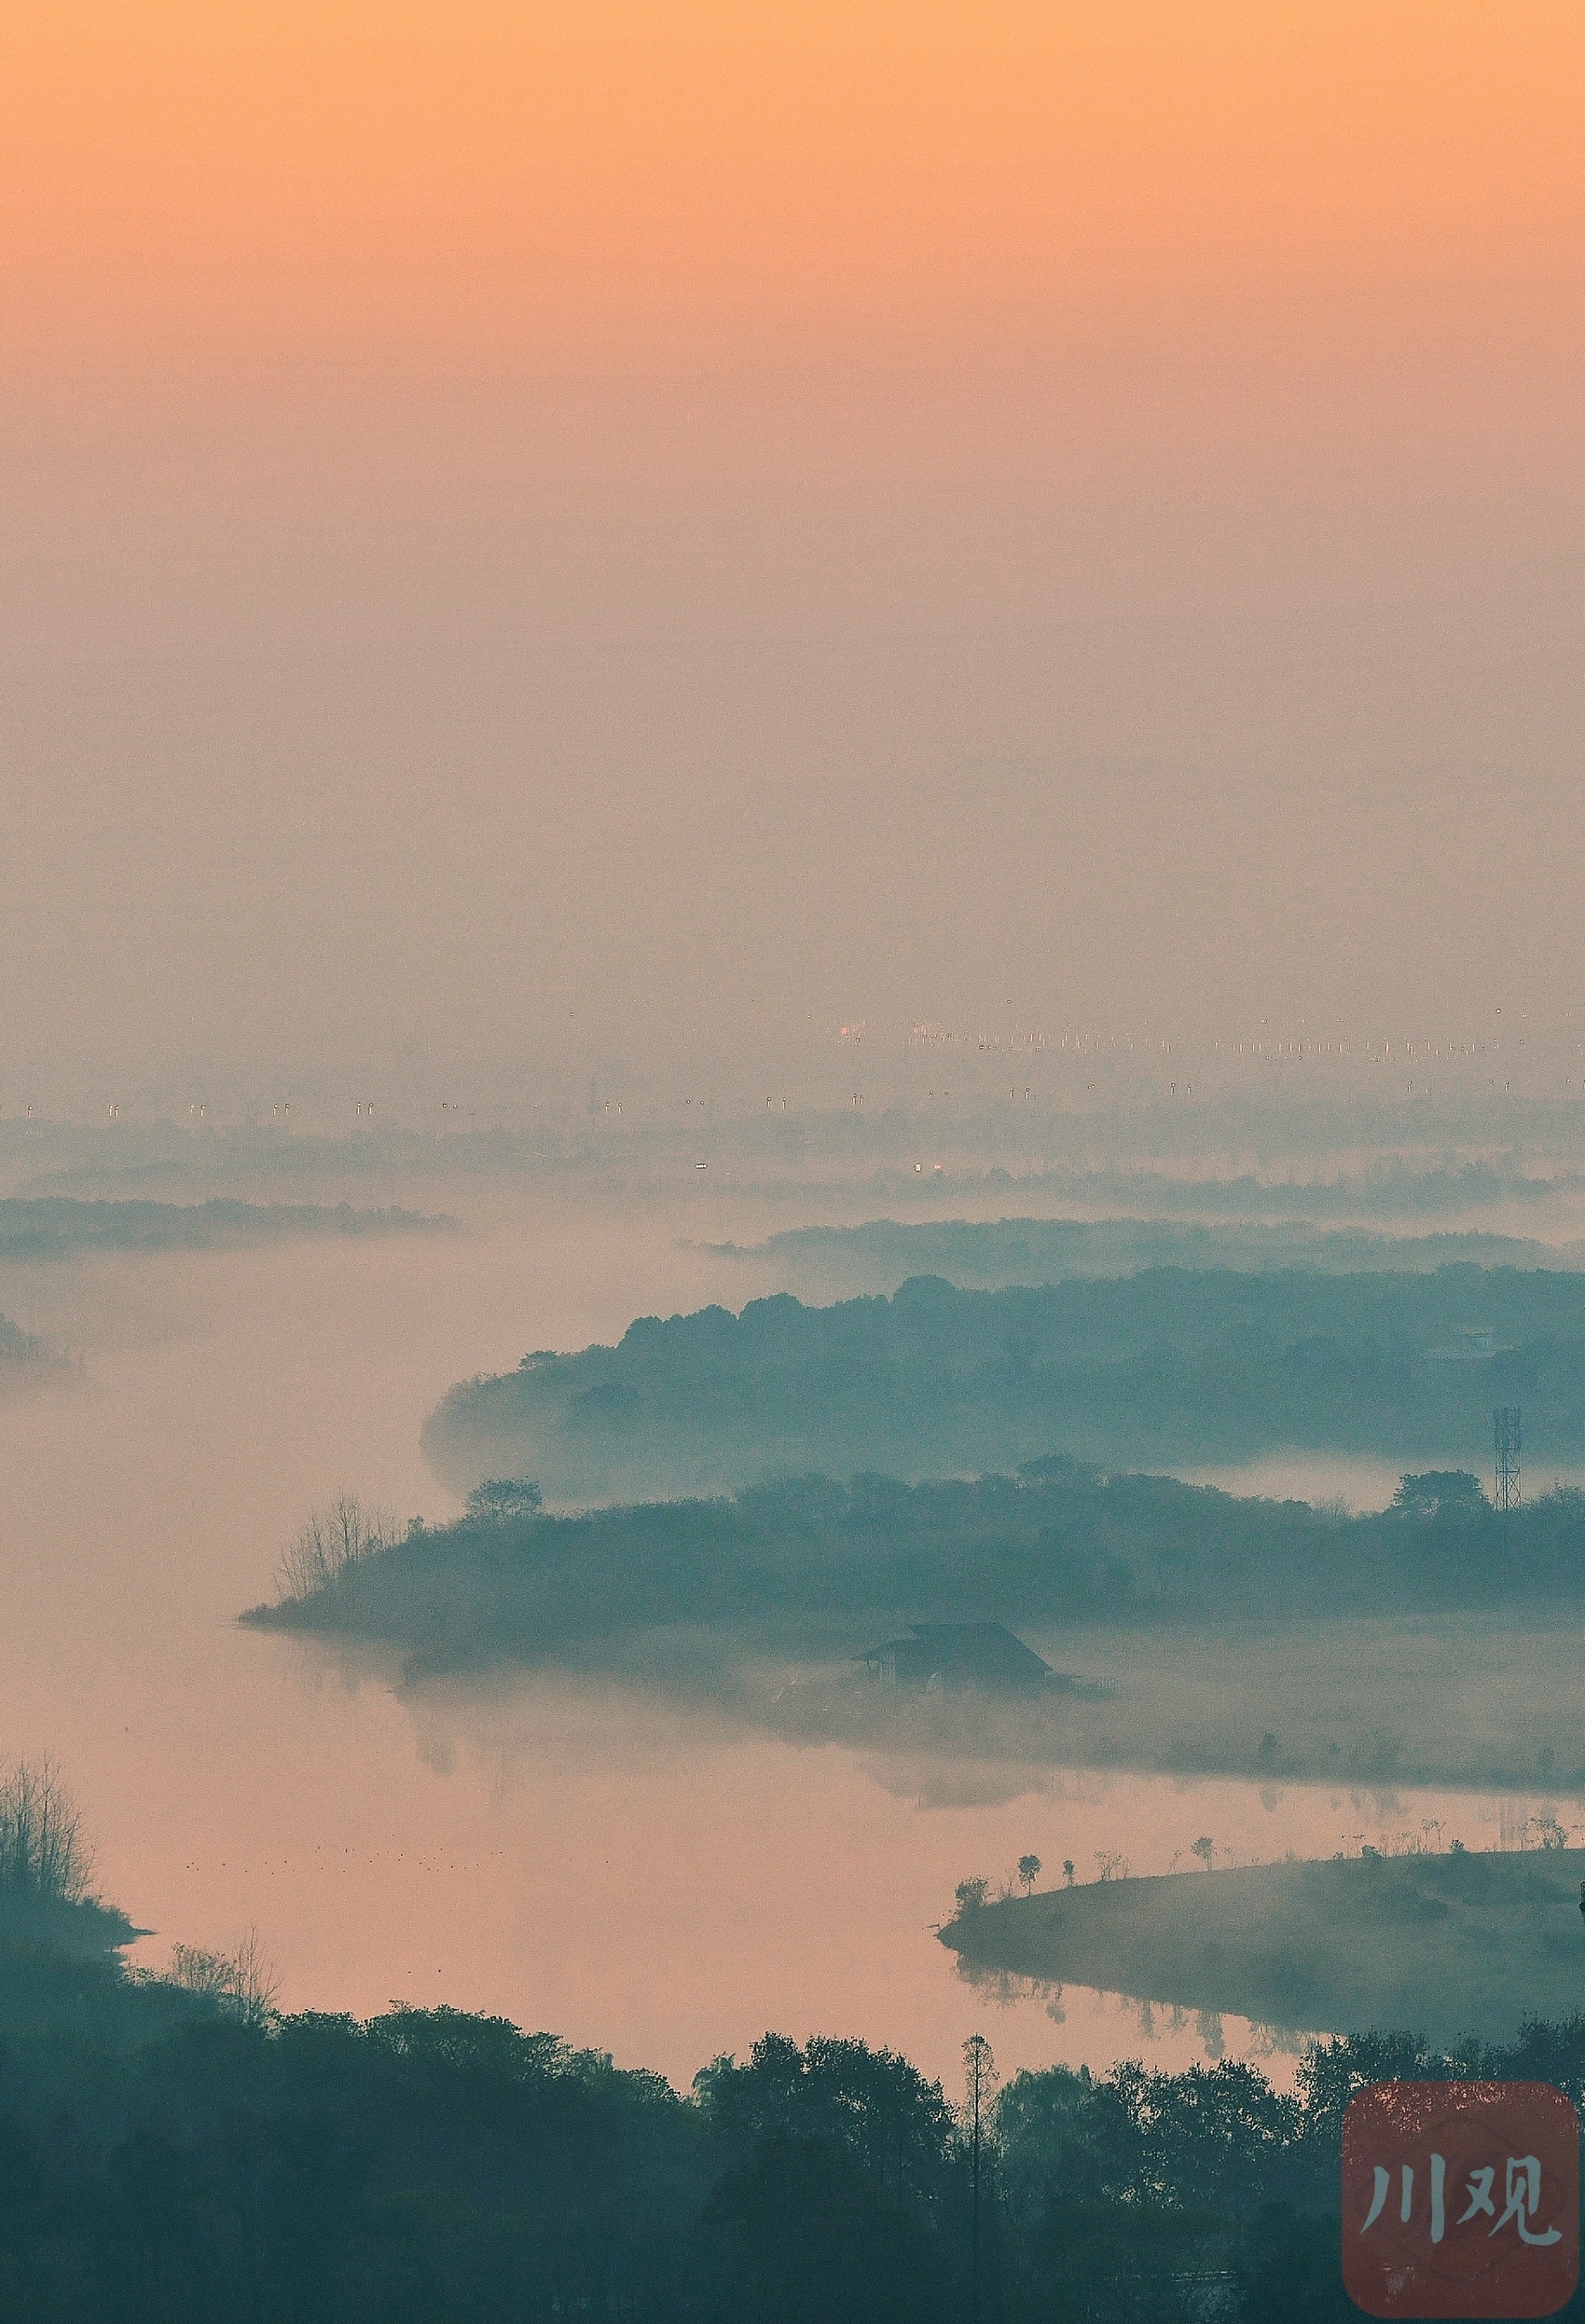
[944, 1656]
[1476, 1343]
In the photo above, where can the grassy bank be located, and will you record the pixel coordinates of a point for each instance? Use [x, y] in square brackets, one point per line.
[1447, 1943]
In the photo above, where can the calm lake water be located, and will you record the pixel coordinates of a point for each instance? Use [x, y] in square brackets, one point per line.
[638, 1875]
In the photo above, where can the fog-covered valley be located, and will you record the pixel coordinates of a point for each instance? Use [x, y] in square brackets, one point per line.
[405, 1824]
[791, 1155]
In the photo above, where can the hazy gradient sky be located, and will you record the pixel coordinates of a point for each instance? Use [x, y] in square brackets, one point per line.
[660, 523]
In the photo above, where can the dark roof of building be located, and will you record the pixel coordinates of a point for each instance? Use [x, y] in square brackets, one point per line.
[962, 1650]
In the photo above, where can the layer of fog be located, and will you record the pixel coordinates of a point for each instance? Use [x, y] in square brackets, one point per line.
[912, 1141]
[638, 1872]
[880, 1254]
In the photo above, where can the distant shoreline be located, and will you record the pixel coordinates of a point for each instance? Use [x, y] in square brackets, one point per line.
[1448, 1945]
[59, 1226]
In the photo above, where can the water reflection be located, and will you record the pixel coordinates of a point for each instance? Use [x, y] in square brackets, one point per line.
[1449, 1945]
[1143, 2029]
[636, 1872]
[652, 1875]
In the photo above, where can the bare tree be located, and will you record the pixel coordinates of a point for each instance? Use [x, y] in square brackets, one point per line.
[1108, 1863]
[198, 1971]
[255, 1984]
[304, 1565]
[329, 1543]
[242, 1981]
[44, 1851]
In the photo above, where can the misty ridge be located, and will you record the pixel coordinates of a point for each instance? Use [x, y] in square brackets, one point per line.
[1167, 1366]
[1310, 1169]
[1063, 1543]
[61, 1227]
[882, 1253]
[1242, 1150]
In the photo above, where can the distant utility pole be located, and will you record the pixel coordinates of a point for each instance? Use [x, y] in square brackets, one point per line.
[1509, 1439]
[980, 2075]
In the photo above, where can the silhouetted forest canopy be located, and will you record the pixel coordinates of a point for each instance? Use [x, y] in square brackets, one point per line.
[174, 2165]
[175, 2149]
[1168, 1365]
[62, 1226]
[816, 1562]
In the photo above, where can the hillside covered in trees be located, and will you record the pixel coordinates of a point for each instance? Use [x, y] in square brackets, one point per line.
[174, 2150]
[1166, 1366]
[430, 2164]
[811, 1561]
[994, 1253]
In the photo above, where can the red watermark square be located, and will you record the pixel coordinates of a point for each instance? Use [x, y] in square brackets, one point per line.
[1460, 2198]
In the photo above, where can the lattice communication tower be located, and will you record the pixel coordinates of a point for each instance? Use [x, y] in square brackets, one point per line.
[1509, 1439]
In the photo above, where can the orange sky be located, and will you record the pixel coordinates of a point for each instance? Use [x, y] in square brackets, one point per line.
[553, 451]
[208, 178]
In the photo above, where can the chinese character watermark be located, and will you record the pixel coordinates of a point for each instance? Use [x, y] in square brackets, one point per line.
[1424, 2233]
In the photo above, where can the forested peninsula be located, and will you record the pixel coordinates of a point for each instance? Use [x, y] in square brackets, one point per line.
[1452, 1942]
[1167, 1366]
[811, 1561]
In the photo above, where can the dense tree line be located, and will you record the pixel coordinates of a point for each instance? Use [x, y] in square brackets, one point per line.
[1167, 1365]
[430, 2164]
[991, 1253]
[812, 1560]
[59, 1226]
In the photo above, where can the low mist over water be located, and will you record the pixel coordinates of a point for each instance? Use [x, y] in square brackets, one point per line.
[628, 1861]
[791, 1149]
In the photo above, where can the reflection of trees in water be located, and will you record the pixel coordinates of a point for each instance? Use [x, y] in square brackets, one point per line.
[1207, 2025]
[709, 1597]
[1154, 2020]
[1277, 2040]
